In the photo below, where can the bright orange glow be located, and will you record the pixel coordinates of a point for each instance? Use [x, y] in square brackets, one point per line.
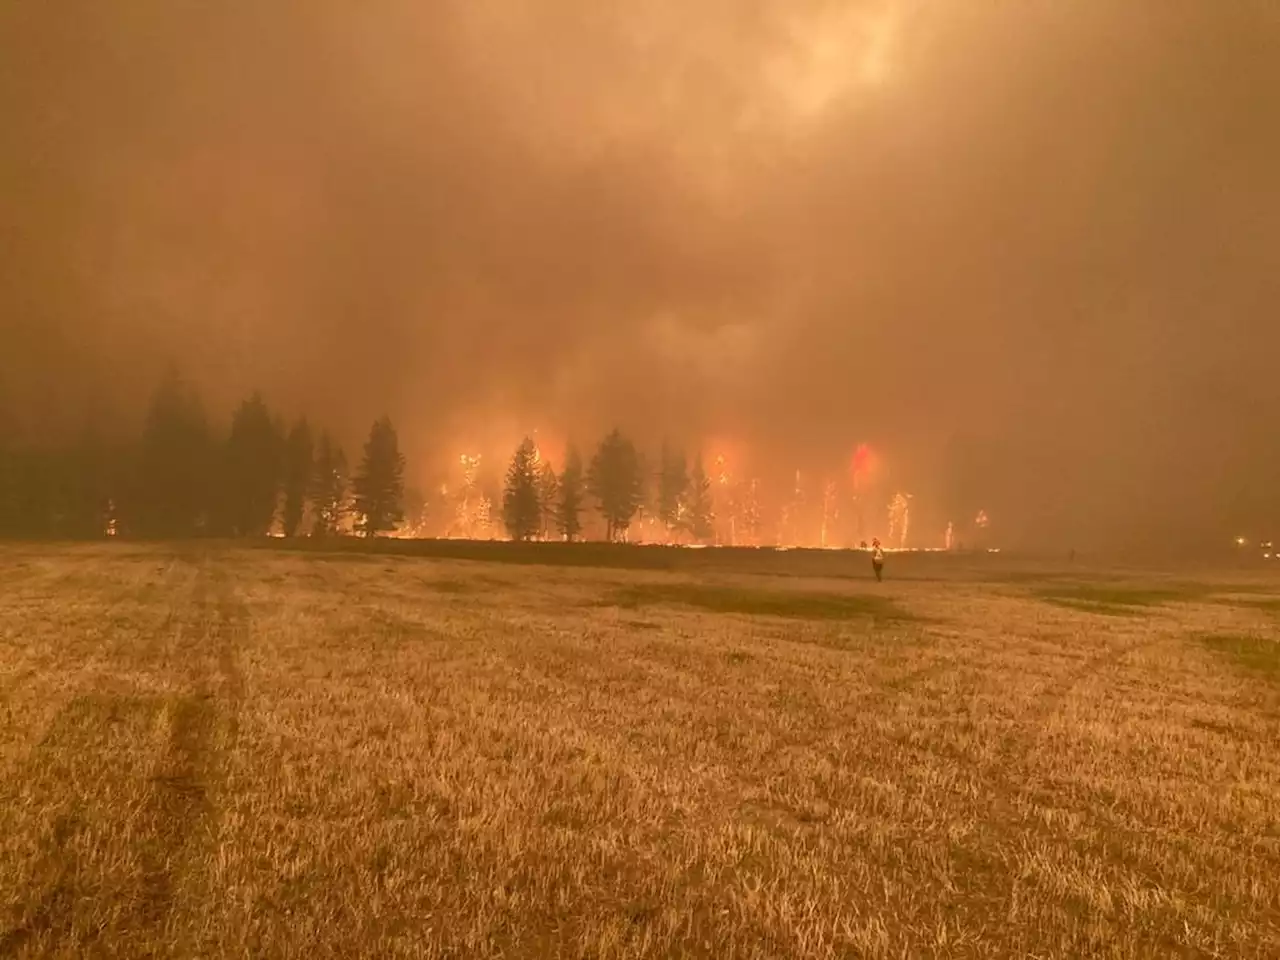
[863, 464]
[810, 511]
[551, 445]
[724, 450]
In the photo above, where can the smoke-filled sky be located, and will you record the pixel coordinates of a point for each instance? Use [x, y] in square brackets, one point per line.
[1029, 250]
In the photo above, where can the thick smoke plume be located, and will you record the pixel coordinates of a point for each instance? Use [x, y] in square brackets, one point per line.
[1028, 251]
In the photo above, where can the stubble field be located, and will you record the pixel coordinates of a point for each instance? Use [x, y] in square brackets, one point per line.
[210, 752]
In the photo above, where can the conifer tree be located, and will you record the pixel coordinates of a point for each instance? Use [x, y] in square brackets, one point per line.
[251, 478]
[299, 472]
[548, 498]
[379, 486]
[700, 515]
[616, 481]
[673, 486]
[172, 492]
[329, 488]
[569, 514]
[521, 513]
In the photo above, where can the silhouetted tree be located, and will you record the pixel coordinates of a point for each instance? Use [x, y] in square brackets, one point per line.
[521, 513]
[172, 491]
[379, 486]
[329, 488]
[673, 485]
[569, 514]
[299, 470]
[548, 498]
[251, 476]
[699, 516]
[617, 483]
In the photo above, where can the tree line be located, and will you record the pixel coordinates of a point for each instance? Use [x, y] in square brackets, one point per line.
[538, 503]
[184, 478]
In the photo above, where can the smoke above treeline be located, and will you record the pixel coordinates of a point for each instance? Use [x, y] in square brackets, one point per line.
[1025, 251]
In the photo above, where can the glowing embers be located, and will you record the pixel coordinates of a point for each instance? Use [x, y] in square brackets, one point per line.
[473, 512]
[899, 519]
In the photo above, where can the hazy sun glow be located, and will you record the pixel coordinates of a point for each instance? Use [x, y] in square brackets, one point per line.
[834, 54]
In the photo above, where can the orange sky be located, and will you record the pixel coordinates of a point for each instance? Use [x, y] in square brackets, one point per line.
[1027, 249]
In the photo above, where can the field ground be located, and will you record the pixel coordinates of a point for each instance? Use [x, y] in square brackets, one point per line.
[213, 751]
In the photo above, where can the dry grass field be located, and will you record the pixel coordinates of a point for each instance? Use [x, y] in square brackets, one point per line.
[216, 752]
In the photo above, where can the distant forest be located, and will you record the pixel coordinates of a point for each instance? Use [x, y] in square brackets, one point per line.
[184, 478]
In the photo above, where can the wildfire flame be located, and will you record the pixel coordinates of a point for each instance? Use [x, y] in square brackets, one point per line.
[814, 511]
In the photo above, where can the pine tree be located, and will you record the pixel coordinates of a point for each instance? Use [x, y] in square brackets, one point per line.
[700, 515]
[673, 485]
[617, 483]
[521, 513]
[251, 481]
[329, 488]
[172, 491]
[379, 487]
[299, 471]
[548, 498]
[569, 515]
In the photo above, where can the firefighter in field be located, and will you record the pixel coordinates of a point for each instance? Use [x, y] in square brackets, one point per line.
[877, 558]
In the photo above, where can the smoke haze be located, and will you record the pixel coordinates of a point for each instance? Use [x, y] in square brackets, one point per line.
[1029, 251]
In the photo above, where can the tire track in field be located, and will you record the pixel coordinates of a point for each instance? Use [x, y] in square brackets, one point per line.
[1017, 746]
[126, 816]
[994, 857]
[194, 762]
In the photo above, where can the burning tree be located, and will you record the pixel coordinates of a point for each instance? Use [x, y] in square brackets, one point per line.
[252, 470]
[673, 486]
[751, 515]
[299, 470]
[329, 489]
[725, 500]
[379, 487]
[466, 515]
[981, 524]
[792, 512]
[700, 511]
[569, 512]
[899, 518]
[830, 512]
[417, 510]
[483, 529]
[548, 499]
[521, 512]
[616, 481]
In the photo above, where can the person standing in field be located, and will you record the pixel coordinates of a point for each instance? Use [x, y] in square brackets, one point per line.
[877, 558]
